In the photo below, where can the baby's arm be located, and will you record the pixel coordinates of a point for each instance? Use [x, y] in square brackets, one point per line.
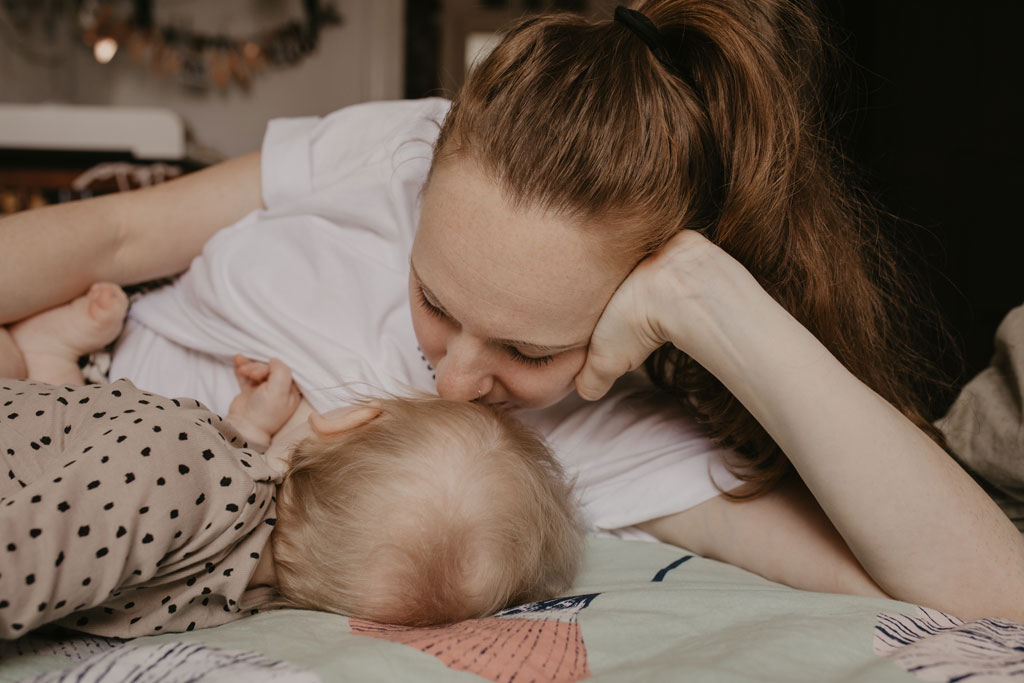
[268, 397]
[12, 362]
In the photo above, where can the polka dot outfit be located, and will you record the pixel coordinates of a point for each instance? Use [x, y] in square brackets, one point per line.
[125, 514]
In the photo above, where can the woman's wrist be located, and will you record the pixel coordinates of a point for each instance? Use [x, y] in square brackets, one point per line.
[710, 307]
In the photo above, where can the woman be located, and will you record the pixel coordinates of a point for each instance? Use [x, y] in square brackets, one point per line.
[654, 188]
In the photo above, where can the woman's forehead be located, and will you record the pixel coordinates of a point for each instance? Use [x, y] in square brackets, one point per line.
[507, 293]
[508, 267]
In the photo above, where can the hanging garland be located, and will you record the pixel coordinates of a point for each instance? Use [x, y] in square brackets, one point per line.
[196, 59]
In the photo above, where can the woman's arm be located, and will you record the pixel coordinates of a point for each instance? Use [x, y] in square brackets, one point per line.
[917, 523]
[782, 535]
[50, 255]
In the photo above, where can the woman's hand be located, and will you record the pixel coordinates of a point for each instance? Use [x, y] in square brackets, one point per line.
[267, 399]
[679, 294]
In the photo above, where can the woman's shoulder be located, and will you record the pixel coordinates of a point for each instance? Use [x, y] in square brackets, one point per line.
[379, 129]
[360, 143]
[385, 112]
[635, 454]
[363, 126]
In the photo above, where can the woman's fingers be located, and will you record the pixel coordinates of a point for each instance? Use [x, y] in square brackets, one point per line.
[615, 353]
[598, 374]
[622, 340]
[651, 307]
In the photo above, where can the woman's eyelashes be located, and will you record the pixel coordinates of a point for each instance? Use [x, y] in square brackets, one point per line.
[518, 356]
[512, 351]
[429, 307]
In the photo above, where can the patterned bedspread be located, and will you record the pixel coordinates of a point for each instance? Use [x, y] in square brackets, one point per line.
[640, 612]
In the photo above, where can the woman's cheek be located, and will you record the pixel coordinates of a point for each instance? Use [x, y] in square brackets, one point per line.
[542, 386]
[431, 335]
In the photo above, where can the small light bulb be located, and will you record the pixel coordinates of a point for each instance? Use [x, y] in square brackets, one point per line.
[104, 50]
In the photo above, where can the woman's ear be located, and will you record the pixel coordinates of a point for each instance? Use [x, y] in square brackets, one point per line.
[341, 420]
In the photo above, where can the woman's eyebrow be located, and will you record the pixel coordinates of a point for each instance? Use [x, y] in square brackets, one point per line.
[539, 349]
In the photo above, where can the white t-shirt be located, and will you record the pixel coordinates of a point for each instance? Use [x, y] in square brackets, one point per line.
[319, 279]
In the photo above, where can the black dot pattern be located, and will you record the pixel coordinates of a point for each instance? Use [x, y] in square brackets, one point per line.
[87, 512]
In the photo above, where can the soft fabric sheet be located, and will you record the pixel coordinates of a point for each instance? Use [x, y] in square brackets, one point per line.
[985, 425]
[640, 612]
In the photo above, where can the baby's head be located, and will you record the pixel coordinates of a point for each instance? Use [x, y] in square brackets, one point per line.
[431, 512]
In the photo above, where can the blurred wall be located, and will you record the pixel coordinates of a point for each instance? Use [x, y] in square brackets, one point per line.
[934, 122]
[469, 29]
[358, 61]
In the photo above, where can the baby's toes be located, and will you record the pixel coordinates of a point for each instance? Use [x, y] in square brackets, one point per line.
[107, 303]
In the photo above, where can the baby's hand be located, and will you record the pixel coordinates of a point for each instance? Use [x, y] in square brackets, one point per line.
[267, 399]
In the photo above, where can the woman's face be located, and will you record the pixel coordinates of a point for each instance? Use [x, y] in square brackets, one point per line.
[503, 300]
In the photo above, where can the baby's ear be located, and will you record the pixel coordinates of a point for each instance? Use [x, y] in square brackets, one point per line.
[341, 420]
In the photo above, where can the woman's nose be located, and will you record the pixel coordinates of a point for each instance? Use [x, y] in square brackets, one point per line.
[464, 373]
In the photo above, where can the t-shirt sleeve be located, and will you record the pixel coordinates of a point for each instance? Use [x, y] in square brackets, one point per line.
[633, 455]
[303, 155]
[286, 170]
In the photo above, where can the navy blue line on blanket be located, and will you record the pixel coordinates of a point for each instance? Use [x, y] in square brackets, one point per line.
[661, 574]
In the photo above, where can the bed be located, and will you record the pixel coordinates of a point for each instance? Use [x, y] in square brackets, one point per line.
[639, 612]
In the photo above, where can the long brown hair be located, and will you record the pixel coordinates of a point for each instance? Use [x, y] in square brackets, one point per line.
[580, 118]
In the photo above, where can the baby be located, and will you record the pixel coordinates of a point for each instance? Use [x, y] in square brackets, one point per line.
[125, 514]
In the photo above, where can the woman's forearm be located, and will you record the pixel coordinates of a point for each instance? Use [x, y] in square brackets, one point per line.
[919, 525]
[915, 522]
[51, 255]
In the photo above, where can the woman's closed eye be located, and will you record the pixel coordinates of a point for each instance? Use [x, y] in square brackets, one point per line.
[520, 357]
[431, 308]
[512, 351]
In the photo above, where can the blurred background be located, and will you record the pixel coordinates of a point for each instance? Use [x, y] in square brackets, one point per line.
[105, 95]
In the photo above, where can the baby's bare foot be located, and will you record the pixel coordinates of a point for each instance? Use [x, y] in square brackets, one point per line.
[12, 361]
[53, 340]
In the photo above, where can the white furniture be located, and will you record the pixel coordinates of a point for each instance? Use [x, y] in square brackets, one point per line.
[147, 133]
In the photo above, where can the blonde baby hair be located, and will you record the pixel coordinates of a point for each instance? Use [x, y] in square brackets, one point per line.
[435, 511]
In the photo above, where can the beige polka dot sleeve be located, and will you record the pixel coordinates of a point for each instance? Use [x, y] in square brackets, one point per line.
[125, 514]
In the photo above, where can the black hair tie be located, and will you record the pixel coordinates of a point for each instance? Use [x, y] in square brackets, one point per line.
[645, 30]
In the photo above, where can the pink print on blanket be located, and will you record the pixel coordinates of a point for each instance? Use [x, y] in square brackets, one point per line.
[539, 641]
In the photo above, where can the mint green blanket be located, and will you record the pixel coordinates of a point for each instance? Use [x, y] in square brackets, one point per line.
[640, 612]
